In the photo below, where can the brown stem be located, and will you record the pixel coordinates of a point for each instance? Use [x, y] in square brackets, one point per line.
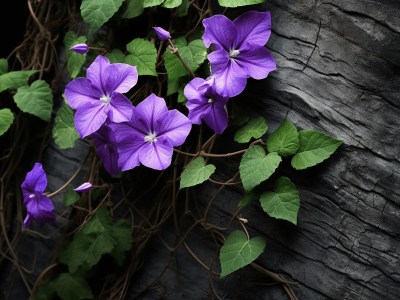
[175, 51]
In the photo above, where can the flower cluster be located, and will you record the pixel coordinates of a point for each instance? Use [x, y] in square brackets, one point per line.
[239, 54]
[126, 136]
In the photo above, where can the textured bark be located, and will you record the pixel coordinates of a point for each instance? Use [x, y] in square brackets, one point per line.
[338, 72]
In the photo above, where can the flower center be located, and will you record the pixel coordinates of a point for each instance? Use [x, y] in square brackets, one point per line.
[233, 53]
[210, 101]
[152, 138]
[31, 196]
[105, 99]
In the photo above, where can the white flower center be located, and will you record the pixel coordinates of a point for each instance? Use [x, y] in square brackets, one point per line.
[152, 138]
[233, 53]
[105, 99]
[210, 100]
[31, 196]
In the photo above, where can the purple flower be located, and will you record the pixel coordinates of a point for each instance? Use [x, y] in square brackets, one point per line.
[84, 187]
[205, 104]
[106, 148]
[162, 34]
[80, 48]
[98, 97]
[240, 51]
[151, 134]
[39, 207]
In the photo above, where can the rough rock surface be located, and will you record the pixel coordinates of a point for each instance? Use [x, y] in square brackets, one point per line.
[338, 72]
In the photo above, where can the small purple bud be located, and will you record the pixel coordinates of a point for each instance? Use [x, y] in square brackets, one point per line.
[80, 48]
[83, 187]
[162, 34]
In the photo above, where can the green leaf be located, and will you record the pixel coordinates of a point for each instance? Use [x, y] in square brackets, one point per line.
[96, 12]
[75, 60]
[238, 251]
[15, 79]
[99, 236]
[69, 287]
[255, 128]
[116, 56]
[236, 3]
[315, 147]
[64, 133]
[121, 232]
[85, 251]
[36, 99]
[133, 9]
[6, 120]
[143, 56]
[70, 197]
[172, 3]
[150, 3]
[45, 292]
[284, 203]
[183, 9]
[284, 140]
[196, 172]
[173, 86]
[3, 66]
[256, 167]
[248, 198]
[193, 54]
[181, 95]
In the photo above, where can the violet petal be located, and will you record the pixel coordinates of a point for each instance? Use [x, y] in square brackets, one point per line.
[253, 27]
[220, 31]
[90, 117]
[258, 62]
[121, 108]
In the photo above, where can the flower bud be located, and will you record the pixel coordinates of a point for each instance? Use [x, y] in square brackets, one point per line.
[162, 34]
[83, 187]
[80, 48]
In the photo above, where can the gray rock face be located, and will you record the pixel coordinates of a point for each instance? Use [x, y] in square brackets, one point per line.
[338, 72]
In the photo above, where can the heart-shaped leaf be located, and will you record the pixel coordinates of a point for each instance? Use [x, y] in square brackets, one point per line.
[6, 119]
[255, 128]
[256, 167]
[143, 55]
[196, 172]
[64, 132]
[284, 203]
[238, 251]
[15, 79]
[96, 12]
[236, 3]
[315, 147]
[284, 140]
[36, 99]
